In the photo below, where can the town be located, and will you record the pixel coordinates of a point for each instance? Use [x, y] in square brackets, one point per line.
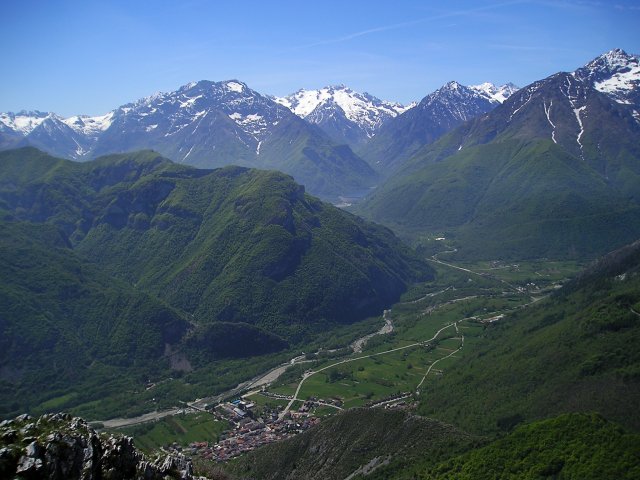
[252, 426]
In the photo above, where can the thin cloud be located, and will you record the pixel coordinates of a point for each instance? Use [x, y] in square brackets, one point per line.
[504, 46]
[527, 48]
[401, 25]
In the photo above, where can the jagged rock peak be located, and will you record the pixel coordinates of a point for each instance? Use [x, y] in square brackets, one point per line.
[613, 60]
[61, 447]
[616, 74]
[339, 108]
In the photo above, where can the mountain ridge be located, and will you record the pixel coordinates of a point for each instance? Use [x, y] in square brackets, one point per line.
[345, 115]
[557, 159]
[204, 124]
[244, 260]
[436, 114]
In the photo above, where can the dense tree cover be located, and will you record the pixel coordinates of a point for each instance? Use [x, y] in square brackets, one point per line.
[134, 263]
[572, 446]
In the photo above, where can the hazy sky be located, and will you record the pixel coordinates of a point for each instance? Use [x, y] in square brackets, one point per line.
[89, 57]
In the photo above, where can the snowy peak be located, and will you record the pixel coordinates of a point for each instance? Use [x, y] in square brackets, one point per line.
[24, 122]
[611, 62]
[436, 114]
[454, 102]
[252, 112]
[363, 110]
[487, 91]
[495, 93]
[615, 73]
[303, 102]
[87, 125]
[452, 86]
[458, 102]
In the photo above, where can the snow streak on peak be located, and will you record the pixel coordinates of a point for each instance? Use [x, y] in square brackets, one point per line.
[615, 73]
[487, 91]
[452, 85]
[234, 86]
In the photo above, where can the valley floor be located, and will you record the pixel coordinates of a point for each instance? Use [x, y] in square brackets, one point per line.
[419, 340]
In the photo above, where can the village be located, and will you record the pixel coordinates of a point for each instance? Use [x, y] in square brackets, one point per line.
[250, 428]
[253, 426]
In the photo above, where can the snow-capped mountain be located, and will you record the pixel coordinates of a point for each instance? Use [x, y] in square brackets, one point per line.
[23, 122]
[617, 74]
[64, 137]
[591, 113]
[205, 124]
[347, 116]
[90, 126]
[495, 93]
[69, 138]
[436, 114]
[454, 102]
[197, 123]
[552, 171]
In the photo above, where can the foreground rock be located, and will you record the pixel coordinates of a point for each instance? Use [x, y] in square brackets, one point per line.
[58, 446]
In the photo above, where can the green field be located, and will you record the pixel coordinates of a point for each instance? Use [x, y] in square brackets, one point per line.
[455, 296]
[182, 429]
[538, 272]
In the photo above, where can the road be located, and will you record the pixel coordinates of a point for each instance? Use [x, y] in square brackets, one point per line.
[262, 379]
[439, 360]
[306, 375]
[434, 259]
[147, 417]
[428, 295]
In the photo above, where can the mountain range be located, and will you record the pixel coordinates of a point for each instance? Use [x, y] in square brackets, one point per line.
[553, 171]
[213, 124]
[204, 124]
[129, 282]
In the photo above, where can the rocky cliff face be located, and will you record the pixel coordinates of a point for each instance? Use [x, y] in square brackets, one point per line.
[60, 447]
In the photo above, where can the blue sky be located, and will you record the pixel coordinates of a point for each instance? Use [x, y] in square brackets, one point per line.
[89, 57]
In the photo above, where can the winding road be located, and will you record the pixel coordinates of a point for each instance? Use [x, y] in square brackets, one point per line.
[306, 375]
[357, 347]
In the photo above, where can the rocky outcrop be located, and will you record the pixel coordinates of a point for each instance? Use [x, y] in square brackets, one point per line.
[61, 447]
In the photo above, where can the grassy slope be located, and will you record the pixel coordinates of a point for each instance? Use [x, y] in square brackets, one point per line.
[504, 189]
[241, 242]
[230, 244]
[305, 152]
[509, 199]
[575, 351]
[181, 429]
[343, 443]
